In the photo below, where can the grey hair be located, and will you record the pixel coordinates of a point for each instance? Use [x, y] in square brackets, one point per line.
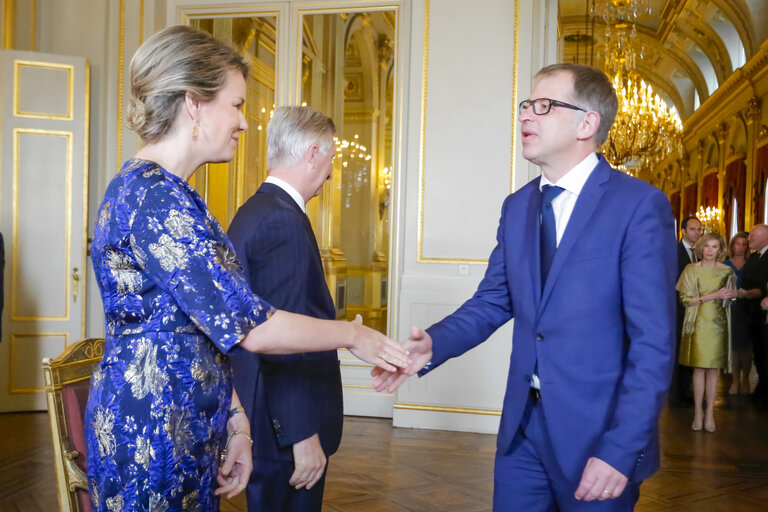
[292, 130]
[176, 61]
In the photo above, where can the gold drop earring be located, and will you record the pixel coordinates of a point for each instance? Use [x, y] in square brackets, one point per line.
[195, 131]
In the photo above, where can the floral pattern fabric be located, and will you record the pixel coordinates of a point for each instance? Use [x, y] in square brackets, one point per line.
[175, 302]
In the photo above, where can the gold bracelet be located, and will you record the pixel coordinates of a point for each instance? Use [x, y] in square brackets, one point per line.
[233, 434]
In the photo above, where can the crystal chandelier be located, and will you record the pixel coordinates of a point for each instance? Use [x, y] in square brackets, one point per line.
[710, 219]
[645, 131]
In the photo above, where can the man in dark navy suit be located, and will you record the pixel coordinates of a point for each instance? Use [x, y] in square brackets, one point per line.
[680, 392]
[585, 264]
[294, 402]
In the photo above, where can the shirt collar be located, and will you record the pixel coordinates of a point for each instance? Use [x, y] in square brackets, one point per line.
[762, 251]
[686, 244]
[573, 181]
[288, 188]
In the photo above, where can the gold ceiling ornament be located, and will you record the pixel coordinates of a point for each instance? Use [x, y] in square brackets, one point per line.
[646, 130]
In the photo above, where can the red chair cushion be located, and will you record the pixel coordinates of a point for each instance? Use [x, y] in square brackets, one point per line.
[74, 397]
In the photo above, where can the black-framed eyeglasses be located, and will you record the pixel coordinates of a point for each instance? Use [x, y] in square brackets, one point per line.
[542, 106]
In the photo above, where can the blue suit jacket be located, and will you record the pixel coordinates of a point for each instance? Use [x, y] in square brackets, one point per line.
[287, 398]
[602, 328]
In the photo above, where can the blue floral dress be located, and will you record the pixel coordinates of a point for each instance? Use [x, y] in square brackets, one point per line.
[175, 302]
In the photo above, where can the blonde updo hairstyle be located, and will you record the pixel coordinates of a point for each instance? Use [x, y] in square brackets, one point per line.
[176, 61]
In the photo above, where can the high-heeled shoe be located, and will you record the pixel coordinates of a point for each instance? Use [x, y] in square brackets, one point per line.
[697, 426]
[710, 427]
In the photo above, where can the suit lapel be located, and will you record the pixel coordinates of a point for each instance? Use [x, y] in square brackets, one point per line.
[585, 207]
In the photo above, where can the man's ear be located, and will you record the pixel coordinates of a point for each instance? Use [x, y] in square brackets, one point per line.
[311, 154]
[589, 125]
[193, 106]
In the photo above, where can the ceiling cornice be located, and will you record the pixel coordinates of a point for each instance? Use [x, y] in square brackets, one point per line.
[740, 82]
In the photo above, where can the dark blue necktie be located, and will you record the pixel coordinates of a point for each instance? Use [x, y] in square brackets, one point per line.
[548, 229]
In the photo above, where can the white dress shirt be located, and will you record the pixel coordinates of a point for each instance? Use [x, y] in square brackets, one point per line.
[289, 190]
[562, 206]
[689, 248]
[573, 181]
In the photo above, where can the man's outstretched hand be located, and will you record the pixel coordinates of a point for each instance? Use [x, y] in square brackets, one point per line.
[419, 347]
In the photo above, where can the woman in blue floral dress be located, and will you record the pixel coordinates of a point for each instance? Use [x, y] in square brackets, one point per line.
[162, 413]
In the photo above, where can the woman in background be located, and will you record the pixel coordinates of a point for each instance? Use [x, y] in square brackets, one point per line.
[741, 347]
[162, 413]
[705, 289]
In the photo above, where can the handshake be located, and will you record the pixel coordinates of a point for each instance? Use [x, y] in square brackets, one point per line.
[419, 347]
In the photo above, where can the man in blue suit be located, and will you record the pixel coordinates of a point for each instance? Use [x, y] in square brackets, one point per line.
[589, 279]
[294, 402]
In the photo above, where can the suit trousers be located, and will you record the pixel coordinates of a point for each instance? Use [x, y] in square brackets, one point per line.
[529, 477]
[268, 489]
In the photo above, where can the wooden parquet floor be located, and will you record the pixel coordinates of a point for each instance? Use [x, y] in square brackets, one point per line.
[384, 469]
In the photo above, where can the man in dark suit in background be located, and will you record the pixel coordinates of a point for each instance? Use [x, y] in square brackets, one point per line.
[294, 402]
[680, 390]
[754, 277]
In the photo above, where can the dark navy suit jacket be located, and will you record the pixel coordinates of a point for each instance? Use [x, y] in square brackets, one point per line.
[683, 260]
[602, 328]
[291, 397]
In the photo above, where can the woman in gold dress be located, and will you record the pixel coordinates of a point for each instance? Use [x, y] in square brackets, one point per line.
[705, 289]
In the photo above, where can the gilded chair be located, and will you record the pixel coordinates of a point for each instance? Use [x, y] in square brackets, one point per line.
[67, 381]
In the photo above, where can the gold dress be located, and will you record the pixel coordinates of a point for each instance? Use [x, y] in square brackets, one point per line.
[706, 328]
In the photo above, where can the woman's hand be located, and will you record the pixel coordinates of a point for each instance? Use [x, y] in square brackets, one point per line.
[724, 293]
[235, 471]
[375, 348]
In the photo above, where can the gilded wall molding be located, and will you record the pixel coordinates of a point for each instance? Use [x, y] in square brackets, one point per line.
[120, 79]
[453, 410]
[8, 15]
[743, 79]
[420, 258]
[17, 112]
[705, 37]
[741, 23]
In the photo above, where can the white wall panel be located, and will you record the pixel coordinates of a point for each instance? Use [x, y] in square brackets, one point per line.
[462, 135]
[468, 125]
[42, 178]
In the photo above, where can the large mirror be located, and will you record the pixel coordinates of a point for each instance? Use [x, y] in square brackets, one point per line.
[346, 69]
[348, 72]
[226, 186]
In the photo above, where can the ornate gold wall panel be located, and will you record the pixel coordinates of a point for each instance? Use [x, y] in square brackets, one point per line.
[57, 79]
[421, 258]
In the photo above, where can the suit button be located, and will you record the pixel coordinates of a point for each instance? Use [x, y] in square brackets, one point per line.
[539, 336]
